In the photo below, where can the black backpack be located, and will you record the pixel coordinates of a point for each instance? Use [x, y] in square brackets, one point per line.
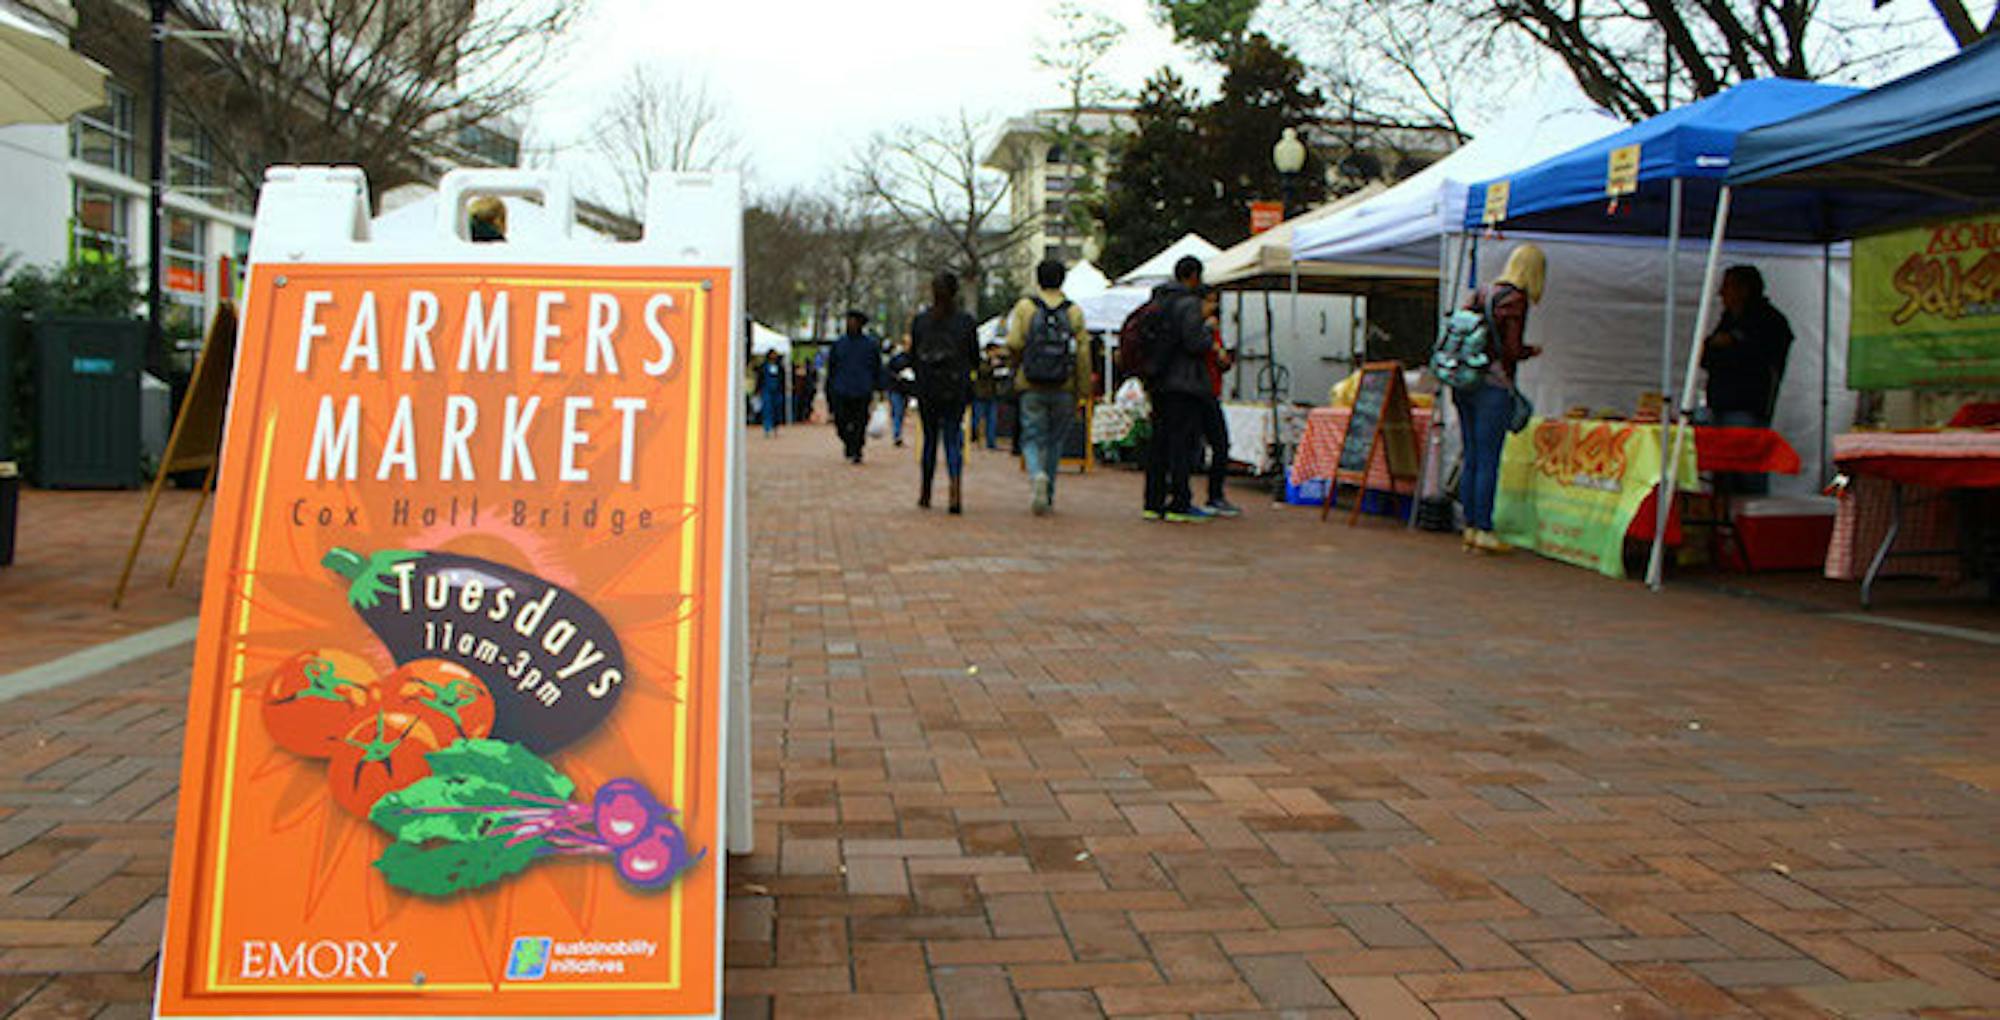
[939, 353]
[1048, 356]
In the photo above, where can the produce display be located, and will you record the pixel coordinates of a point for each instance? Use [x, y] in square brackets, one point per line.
[443, 754]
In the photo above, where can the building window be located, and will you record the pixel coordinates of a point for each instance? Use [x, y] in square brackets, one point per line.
[492, 146]
[1063, 253]
[1057, 185]
[186, 279]
[1056, 156]
[104, 136]
[100, 224]
[191, 155]
[1056, 209]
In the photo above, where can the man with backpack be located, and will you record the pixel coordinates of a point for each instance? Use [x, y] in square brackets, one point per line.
[1166, 342]
[1045, 336]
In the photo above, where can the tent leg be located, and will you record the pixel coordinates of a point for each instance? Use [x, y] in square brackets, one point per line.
[1663, 504]
[1667, 480]
[1825, 353]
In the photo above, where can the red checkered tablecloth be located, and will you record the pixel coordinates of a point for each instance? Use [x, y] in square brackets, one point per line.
[1319, 448]
[1928, 464]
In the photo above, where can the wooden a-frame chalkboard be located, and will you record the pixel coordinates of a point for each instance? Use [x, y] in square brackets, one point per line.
[1380, 422]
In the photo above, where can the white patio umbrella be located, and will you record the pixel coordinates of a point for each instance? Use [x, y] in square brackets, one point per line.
[41, 80]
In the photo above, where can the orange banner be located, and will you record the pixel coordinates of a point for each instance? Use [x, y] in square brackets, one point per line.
[454, 741]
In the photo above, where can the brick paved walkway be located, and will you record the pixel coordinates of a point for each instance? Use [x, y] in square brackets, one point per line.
[70, 546]
[1087, 766]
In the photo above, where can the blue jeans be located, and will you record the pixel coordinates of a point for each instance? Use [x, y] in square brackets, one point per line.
[983, 417]
[774, 408]
[943, 425]
[899, 406]
[1483, 417]
[1045, 421]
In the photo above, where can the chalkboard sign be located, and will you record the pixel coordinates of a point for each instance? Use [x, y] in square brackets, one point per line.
[1380, 421]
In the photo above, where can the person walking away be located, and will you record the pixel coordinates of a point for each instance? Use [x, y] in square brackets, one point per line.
[902, 378]
[802, 392]
[853, 375]
[1177, 381]
[943, 347]
[1214, 424]
[1486, 411]
[1045, 338]
[771, 391]
[1745, 360]
[986, 394]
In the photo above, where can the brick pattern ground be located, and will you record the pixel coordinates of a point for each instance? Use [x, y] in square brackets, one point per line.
[69, 549]
[1086, 766]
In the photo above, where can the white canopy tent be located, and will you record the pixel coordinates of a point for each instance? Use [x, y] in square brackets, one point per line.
[1085, 281]
[1403, 224]
[1160, 268]
[764, 339]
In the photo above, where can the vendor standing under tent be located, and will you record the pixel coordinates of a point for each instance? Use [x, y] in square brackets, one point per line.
[1745, 361]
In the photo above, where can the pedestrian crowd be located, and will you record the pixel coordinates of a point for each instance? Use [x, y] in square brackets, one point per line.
[1042, 370]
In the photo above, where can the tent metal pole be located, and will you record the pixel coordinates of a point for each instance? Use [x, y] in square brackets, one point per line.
[1277, 430]
[1825, 352]
[1663, 502]
[1668, 481]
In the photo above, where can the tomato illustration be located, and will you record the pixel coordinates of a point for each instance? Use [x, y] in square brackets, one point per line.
[444, 694]
[310, 700]
[383, 751]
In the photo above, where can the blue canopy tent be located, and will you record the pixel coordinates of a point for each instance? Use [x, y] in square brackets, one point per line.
[1658, 178]
[1924, 145]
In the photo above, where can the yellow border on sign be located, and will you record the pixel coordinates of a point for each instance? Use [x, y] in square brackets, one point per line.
[691, 469]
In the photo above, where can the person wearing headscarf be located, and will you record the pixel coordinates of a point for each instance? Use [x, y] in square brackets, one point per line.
[1485, 413]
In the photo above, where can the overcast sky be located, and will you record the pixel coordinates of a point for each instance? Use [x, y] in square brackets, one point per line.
[805, 84]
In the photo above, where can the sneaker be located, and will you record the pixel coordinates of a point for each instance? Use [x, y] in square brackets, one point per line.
[1151, 515]
[1040, 485]
[1224, 508]
[1192, 515]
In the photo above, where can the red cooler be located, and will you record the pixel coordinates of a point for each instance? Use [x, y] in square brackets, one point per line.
[1781, 532]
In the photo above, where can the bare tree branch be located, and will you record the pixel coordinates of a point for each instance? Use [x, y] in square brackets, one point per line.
[660, 121]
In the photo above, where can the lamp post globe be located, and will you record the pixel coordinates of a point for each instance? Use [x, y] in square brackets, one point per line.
[1289, 157]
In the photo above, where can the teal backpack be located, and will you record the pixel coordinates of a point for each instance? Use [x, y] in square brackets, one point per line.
[1464, 349]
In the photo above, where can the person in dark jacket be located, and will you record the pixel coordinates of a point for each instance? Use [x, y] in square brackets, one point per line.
[944, 344]
[1745, 360]
[1177, 389]
[1486, 413]
[771, 391]
[853, 375]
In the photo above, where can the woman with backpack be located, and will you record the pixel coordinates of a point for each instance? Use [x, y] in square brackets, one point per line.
[1486, 409]
[943, 347]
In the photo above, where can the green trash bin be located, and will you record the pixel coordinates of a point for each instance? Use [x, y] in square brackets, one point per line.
[87, 402]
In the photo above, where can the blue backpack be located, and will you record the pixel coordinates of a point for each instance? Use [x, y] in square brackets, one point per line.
[1464, 349]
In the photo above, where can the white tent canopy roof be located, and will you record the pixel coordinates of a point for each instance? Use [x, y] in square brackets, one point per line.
[764, 339]
[1402, 224]
[1160, 268]
[1085, 281]
[1269, 254]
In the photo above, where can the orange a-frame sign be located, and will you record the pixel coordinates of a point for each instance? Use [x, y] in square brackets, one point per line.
[455, 739]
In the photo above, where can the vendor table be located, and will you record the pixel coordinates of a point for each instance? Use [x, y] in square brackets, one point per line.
[1319, 448]
[1576, 489]
[1918, 469]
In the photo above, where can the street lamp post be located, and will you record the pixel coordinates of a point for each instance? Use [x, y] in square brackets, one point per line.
[156, 211]
[1288, 156]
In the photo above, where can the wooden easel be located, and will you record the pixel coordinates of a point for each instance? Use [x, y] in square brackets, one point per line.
[1380, 423]
[196, 442]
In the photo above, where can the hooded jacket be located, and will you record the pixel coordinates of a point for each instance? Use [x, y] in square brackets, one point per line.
[1183, 366]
